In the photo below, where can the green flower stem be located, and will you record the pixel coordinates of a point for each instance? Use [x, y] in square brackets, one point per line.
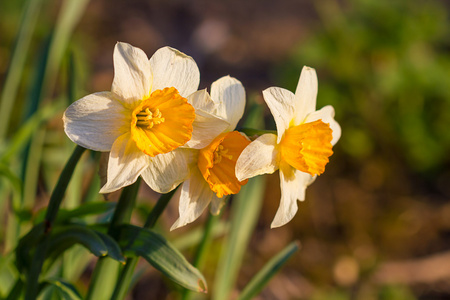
[61, 186]
[158, 209]
[52, 210]
[203, 248]
[124, 208]
[126, 275]
[251, 132]
[104, 273]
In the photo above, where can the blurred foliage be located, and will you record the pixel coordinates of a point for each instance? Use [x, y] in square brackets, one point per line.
[385, 67]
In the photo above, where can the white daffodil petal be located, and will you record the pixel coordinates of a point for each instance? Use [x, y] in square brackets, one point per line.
[229, 93]
[172, 68]
[166, 171]
[293, 186]
[126, 163]
[206, 127]
[281, 104]
[194, 197]
[201, 100]
[305, 95]
[132, 73]
[260, 157]
[326, 114]
[95, 121]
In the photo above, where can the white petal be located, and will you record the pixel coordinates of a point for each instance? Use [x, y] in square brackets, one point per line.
[293, 186]
[326, 114]
[259, 157]
[206, 128]
[126, 163]
[132, 73]
[172, 68]
[202, 100]
[96, 121]
[195, 195]
[229, 93]
[305, 95]
[281, 104]
[166, 171]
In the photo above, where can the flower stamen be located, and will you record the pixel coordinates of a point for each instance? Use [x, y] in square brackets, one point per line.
[147, 118]
[162, 122]
[219, 152]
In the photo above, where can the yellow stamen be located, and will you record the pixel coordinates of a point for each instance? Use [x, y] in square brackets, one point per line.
[217, 163]
[307, 147]
[146, 118]
[162, 122]
[219, 152]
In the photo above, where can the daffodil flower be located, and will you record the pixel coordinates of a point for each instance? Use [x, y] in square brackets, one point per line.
[144, 119]
[212, 168]
[301, 148]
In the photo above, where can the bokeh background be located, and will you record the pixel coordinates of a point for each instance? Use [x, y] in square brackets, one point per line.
[376, 224]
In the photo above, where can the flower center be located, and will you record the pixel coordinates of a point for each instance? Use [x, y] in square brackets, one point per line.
[219, 152]
[307, 147]
[162, 122]
[147, 118]
[217, 163]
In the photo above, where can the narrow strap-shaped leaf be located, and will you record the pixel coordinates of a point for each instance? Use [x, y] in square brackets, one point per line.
[12, 81]
[65, 290]
[154, 248]
[64, 237]
[114, 250]
[86, 209]
[26, 244]
[268, 271]
[202, 249]
[23, 135]
[17, 290]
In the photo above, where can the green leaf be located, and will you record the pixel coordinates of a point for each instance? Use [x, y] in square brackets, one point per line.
[16, 185]
[8, 273]
[98, 243]
[154, 248]
[268, 271]
[23, 135]
[65, 290]
[13, 78]
[17, 290]
[26, 243]
[86, 209]
[65, 237]
[114, 250]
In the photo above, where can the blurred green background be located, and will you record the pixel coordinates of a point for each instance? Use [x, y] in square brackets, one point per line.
[376, 224]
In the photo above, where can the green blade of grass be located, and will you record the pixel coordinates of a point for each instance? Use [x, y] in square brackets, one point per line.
[268, 271]
[245, 212]
[12, 81]
[26, 131]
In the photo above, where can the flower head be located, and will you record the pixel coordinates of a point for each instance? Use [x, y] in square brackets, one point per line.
[143, 120]
[301, 147]
[212, 165]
